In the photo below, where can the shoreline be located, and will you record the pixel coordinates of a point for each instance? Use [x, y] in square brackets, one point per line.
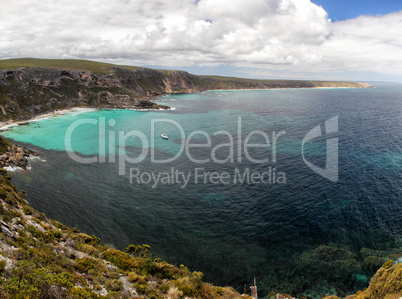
[76, 110]
[5, 125]
[285, 88]
[262, 89]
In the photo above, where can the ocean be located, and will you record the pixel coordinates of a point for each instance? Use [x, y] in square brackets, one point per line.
[298, 188]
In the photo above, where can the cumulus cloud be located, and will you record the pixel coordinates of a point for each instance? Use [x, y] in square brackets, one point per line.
[270, 34]
[366, 43]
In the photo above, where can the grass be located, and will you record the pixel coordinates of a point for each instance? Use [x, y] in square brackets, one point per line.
[107, 68]
[276, 81]
[71, 64]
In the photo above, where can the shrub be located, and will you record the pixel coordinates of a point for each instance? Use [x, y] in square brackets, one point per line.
[163, 287]
[86, 264]
[88, 249]
[142, 288]
[207, 291]
[88, 239]
[113, 275]
[3, 193]
[41, 216]
[132, 249]
[388, 264]
[22, 194]
[120, 259]
[7, 217]
[95, 240]
[114, 285]
[132, 277]
[56, 233]
[59, 225]
[188, 290]
[48, 237]
[138, 250]
[16, 214]
[83, 293]
[85, 238]
[9, 198]
[2, 266]
[163, 270]
[145, 249]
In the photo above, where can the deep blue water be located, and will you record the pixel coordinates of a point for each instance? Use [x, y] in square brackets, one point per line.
[234, 232]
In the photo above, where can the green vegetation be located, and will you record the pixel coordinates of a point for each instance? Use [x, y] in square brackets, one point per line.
[222, 81]
[36, 86]
[71, 64]
[343, 267]
[386, 284]
[42, 258]
[210, 82]
[4, 145]
[138, 250]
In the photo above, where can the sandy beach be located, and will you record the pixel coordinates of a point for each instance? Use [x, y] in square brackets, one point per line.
[77, 110]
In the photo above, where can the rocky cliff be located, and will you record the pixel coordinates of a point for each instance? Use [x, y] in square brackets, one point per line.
[29, 87]
[385, 284]
[42, 258]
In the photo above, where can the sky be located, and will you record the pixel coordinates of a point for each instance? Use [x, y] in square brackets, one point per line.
[348, 9]
[352, 40]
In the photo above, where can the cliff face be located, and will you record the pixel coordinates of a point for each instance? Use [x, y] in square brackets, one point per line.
[14, 156]
[25, 93]
[29, 89]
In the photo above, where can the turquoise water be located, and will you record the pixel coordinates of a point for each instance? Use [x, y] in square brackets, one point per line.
[230, 231]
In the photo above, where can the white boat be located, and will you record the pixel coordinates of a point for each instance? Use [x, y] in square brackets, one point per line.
[164, 136]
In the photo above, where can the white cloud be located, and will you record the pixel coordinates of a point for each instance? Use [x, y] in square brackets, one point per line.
[266, 34]
[367, 43]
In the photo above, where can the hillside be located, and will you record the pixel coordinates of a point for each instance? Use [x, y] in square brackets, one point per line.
[42, 258]
[29, 87]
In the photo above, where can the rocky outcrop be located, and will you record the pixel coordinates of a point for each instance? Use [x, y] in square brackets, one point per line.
[386, 283]
[16, 157]
[148, 105]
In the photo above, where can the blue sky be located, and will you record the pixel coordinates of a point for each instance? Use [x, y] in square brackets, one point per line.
[284, 39]
[347, 9]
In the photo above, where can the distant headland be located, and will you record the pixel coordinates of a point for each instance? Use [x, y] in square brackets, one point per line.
[30, 87]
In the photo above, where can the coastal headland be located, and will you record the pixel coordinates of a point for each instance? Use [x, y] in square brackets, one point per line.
[31, 87]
